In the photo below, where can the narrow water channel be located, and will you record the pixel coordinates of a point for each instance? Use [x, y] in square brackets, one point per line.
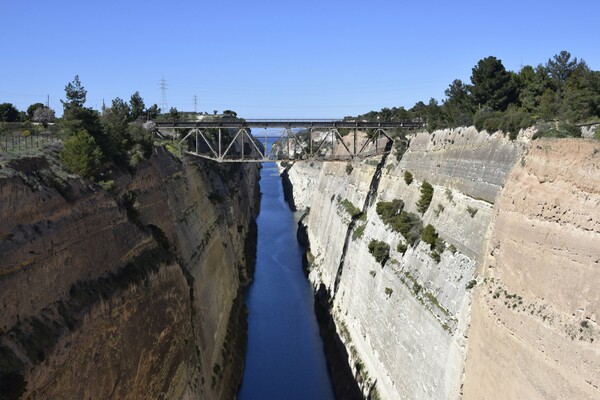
[285, 358]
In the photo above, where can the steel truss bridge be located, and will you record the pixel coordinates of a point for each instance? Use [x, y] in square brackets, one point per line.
[317, 140]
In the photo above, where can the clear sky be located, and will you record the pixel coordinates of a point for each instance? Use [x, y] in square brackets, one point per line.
[277, 59]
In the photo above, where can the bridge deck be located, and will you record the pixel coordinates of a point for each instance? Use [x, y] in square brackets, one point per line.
[288, 123]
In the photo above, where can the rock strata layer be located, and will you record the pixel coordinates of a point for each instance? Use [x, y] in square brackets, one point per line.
[406, 322]
[129, 294]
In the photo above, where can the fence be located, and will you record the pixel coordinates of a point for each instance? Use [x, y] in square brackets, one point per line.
[19, 143]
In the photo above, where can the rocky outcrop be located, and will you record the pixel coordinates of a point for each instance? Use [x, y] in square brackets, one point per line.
[521, 240]
[134, 293]
[534, 327]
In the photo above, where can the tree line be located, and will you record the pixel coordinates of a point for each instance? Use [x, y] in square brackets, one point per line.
[564, 90]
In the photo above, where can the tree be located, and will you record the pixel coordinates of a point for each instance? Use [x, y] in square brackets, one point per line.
[81, 155]
[115, 121]
[532, 84]
[8, 113]
[429, 235]
[153, 111]
[560, 67]
[426, 196]
[75, 94]
[43, 115]
[31, 109]
[458, 106]
[173, 114]
[580, 95]
[137, 106]
[492, 86]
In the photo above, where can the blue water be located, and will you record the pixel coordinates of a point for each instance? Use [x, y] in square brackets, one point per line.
[285, 358]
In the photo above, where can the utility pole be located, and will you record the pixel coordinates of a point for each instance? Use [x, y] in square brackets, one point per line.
[47, 101]
[195, 104]
[163, 95]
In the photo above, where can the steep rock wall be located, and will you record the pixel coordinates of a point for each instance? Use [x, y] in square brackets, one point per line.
[534, 331]
[404, 324]
[134, 294]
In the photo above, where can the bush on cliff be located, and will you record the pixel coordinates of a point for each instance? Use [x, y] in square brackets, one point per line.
[426, 196]
[388, 209]
[429, 235]
[380, 250]
[408, 178]
[81, 155]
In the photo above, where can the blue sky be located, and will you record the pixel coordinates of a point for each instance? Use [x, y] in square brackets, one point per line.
[278, 59]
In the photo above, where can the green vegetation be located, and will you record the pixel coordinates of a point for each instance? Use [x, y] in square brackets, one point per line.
[408, 224]
[358, 232]
[349, 168]
[429, 235]
[471, 284]
[472, 211]
[426, 196]
[401, 248]
[563, 89]
[350, 208]
[81, 155]
[118, 131]
[387, 210]
[408, 178]
[388, 291]
[380, 250]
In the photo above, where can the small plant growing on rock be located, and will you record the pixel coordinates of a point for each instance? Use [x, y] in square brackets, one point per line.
[401, 248]
[471, 284]
[426, 196]
[472, 211]
[380, 250]
[452, 249]
[388, 291]
[408, 178]
[349, 168]
[429, 235]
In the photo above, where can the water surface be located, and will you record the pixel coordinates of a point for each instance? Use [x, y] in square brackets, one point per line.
[285, 358]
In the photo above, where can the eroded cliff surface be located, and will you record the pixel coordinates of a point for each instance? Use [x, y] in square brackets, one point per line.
[404, 323]
[130, 294]
[534, 331]
[520, 225]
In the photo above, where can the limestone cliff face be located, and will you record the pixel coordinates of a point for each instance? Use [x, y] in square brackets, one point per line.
[534, 331]
[131, 294]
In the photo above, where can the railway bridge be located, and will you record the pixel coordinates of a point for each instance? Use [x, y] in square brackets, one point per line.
[238, 140]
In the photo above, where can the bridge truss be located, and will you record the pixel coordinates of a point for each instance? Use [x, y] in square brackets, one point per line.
[319, 140]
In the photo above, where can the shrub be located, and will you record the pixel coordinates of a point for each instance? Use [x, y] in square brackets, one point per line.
[380, 250]
[409, 225]
[401, 248]
[559, 130]
[435, 256]
[408, 178]
[388, 209]
[350, 208]
[426, 196]
[472, 211]
[471, 284]
[81, 155]
[388, 291]
[429, 235]
[349, 168]
[358, 232]
[452, 249]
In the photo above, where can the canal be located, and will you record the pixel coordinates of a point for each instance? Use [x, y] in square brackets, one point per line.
[285, 357]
